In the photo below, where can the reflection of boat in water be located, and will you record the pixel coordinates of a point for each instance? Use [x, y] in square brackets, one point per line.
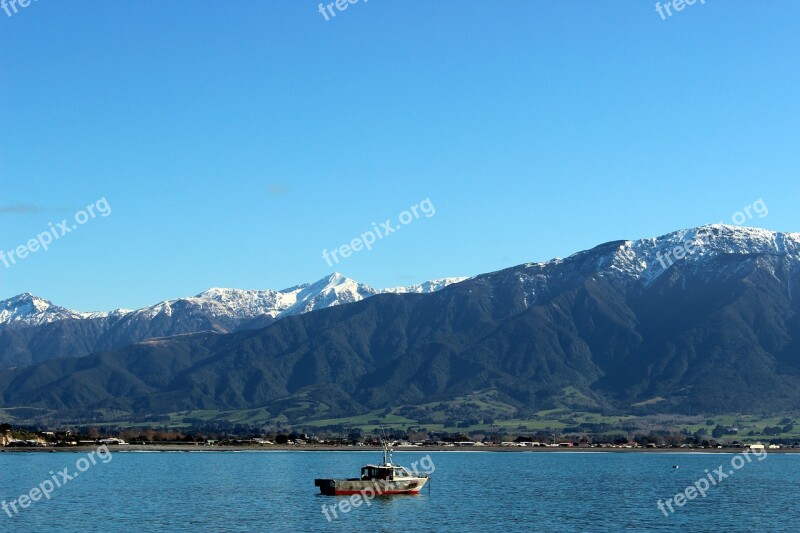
[385, 478]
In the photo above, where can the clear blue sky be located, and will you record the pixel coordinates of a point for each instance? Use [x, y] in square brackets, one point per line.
[234, 141]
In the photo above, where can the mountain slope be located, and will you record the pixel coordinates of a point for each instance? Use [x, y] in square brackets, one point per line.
[716, 331]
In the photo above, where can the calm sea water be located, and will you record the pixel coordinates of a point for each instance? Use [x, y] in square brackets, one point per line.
[274, 491]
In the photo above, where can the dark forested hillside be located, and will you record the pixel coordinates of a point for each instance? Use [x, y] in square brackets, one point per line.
[718, 332]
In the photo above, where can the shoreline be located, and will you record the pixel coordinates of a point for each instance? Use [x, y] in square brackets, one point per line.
[191, 448]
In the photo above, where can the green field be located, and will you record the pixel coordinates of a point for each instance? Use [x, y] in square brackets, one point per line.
[457, 416]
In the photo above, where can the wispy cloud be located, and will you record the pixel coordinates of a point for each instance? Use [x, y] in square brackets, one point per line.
[276, 189]
[19, 209]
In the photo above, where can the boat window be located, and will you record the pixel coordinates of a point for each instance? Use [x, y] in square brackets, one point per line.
[375, 473]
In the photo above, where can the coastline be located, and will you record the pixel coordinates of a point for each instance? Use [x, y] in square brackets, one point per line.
[191, 448]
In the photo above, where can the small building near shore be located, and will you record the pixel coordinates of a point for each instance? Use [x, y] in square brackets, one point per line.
[112, 440]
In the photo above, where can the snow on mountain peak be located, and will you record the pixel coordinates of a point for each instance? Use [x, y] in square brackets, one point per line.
[27, 309]
[649, 258]
[644, 259]
[227, 306]
[422, 288]
[238, 304]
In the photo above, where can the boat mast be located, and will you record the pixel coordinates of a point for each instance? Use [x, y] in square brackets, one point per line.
[386, 448]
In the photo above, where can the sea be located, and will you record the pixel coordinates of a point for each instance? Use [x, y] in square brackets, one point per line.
[469, 491]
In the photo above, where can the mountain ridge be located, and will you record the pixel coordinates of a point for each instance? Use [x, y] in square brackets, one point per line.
[607, 328]
[34, 330]
[27, 309]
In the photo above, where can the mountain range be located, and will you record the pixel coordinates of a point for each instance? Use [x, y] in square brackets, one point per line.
[697, 321]
[33, 329]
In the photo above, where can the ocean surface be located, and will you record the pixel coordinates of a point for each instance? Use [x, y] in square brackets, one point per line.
[469, 491]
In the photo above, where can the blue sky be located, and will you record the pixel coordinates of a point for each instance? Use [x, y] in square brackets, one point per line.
[234, 141]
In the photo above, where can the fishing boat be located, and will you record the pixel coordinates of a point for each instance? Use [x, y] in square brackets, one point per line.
[385, 478]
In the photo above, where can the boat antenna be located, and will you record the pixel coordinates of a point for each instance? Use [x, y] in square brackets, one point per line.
[386, 448]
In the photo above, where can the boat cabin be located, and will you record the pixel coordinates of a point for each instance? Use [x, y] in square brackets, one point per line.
[388, 472]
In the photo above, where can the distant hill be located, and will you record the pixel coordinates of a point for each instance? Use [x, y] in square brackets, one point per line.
[613, 328]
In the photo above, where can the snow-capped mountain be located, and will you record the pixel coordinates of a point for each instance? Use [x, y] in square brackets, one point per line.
[34, 329]
[643, 261]
[697, 321]
[647, 259]
[228, 306]
[32, 310]
[423, 288]
[29, 310]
